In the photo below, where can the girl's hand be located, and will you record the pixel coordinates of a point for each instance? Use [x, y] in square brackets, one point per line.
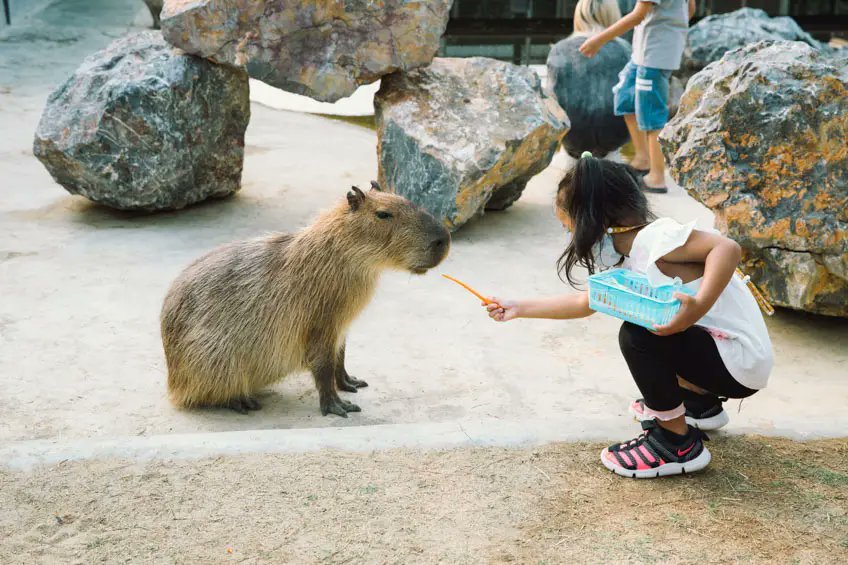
[501, 310]
[591, 46]
[691, 310]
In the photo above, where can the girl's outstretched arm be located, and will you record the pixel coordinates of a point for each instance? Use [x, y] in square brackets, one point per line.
[563, 307]
[720, 257]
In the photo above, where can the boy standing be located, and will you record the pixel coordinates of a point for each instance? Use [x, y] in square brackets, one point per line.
[641, 95]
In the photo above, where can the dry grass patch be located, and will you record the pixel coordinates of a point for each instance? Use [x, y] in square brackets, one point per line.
[762, 500]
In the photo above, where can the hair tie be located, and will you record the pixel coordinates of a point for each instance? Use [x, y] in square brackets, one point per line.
[586, 154]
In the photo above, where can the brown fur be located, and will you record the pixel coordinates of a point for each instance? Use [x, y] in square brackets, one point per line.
[249, 313]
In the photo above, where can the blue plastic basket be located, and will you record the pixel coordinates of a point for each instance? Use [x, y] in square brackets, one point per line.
[629, 296]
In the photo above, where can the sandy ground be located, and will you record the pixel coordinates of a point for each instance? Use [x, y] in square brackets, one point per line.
[761, 501]
[82, 285]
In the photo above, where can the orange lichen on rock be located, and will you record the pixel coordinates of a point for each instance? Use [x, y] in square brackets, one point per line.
[773, 168]
[748, 140]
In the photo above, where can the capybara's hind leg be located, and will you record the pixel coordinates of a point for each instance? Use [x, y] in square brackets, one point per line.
[343, 380]
[323, 366]
[243, 404]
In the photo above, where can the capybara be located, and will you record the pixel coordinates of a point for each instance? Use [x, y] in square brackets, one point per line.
[249, 313]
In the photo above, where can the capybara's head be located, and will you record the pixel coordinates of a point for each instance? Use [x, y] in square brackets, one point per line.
[397, 232]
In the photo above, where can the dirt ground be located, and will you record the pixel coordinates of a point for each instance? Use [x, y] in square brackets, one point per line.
[761, 500]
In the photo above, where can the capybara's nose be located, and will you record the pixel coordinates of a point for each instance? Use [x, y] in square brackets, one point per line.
[439, 244]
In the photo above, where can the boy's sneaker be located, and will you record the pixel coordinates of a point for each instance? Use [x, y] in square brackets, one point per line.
[703, 411]
[653, 454]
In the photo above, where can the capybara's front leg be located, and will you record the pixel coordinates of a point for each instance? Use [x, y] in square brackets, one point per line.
[323, 366]
[343, 380]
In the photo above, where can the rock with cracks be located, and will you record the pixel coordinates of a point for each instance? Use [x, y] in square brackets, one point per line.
[324, 50]
[760, 139]
[139, 126]
[715, 35]
[464, 135]
[583, 87]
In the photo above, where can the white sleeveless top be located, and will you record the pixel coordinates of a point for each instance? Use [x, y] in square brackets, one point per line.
[734, 321]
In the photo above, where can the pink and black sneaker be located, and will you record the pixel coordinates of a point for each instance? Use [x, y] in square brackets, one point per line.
[703, 411]
[653, 454]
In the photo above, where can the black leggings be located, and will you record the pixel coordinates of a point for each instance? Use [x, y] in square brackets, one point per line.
[656, 361]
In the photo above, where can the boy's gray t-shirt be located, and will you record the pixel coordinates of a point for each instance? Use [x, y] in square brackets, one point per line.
[659, 40]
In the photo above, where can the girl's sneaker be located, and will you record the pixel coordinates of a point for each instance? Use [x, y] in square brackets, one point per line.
[703, 411]
[653, 454]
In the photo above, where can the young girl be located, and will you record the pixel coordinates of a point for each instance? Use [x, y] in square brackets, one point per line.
[716, 345]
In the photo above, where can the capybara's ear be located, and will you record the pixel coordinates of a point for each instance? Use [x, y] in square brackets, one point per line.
[355, 198]
[376, 186]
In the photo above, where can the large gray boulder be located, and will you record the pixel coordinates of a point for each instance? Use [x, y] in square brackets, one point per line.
[715, 35]
[760, 139]
[583, 87]
[139, 126]
[324, 50]
[464, 135]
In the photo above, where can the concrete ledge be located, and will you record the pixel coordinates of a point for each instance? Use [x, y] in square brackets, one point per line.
[23, 455]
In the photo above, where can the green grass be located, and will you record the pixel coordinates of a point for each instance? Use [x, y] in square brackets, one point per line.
[818, 474]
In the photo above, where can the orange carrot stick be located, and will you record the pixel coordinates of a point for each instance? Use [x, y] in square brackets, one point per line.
[469, 289]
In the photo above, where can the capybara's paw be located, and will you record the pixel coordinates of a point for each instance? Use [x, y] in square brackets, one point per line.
[356, 382]
[350, 406]
[346, 386]
[237, 405]
[333, 406]
[244, 404]
[251, 403]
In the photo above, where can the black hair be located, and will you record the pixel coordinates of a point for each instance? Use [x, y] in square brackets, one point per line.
[597, 194]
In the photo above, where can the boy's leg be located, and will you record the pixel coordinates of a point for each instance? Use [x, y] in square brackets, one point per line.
[641, 158]
[625, 106]
[651, 116]
[655, 179]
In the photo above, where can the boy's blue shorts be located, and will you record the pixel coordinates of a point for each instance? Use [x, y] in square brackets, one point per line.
[643, 91]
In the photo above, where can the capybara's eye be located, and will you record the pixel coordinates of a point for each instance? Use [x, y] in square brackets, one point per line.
[383, 215]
